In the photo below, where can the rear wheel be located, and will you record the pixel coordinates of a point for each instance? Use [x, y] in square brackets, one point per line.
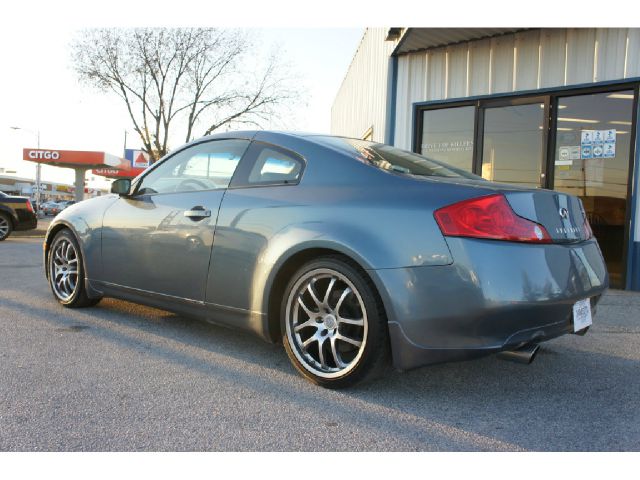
[6, 227]
[334, 327]
[66, 272]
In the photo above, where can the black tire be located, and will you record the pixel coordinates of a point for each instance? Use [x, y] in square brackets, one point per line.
[7, 225]
[77, 296]
[328, 360]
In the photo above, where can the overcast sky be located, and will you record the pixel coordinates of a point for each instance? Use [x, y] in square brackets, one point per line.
[42, 92]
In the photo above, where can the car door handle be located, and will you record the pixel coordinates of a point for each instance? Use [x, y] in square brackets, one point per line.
[197, 212]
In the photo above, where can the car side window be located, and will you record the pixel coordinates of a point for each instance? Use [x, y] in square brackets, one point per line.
[205, 166]
[274, 166]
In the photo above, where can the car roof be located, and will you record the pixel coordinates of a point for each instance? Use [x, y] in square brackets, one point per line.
[314, 137]
[269, 136]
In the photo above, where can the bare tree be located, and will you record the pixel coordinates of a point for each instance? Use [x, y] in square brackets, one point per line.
[182, 79]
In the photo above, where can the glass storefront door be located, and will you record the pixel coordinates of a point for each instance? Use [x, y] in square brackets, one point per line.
[513, 144]
[592, 148]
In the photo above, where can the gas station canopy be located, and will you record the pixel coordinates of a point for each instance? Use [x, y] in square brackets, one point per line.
[79, 161]
[74, 158]
[101, 163]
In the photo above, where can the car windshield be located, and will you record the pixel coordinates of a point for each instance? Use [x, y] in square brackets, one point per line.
[394, 159]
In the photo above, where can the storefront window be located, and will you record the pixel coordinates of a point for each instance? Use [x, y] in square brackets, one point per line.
[593, 141]
[512, 148]
[447, 136]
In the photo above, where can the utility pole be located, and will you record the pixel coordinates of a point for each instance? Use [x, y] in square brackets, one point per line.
[38, 170]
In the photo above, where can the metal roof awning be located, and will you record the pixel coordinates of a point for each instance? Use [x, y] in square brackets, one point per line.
[415, 39]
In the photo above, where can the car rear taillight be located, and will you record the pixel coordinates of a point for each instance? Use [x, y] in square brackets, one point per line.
[29, 206]
[489, 217]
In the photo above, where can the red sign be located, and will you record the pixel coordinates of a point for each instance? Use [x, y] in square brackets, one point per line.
[116, 173]
[141, 159]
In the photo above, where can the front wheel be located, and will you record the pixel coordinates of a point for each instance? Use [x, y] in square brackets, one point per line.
[66, 272]
[334, 326]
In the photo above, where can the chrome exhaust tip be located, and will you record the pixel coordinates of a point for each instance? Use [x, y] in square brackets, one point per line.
[524, 354]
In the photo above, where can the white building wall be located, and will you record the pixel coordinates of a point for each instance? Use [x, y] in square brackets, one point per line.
[361, 102]
[509, 63]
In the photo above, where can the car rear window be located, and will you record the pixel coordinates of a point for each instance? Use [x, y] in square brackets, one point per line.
[393, 159]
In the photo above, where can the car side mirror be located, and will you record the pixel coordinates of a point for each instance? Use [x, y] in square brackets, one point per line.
[121, 186]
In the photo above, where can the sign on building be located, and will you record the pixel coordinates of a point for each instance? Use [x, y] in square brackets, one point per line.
[598, 143]
[138, 158]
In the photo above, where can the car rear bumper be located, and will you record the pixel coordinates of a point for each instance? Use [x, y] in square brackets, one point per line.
[27, 221]
[495, 296]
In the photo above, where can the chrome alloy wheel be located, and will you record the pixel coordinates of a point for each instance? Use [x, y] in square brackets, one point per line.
[63, 269]
[4, 226]
[326, 323]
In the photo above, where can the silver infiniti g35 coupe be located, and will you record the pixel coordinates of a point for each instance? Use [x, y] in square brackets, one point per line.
[347, 251]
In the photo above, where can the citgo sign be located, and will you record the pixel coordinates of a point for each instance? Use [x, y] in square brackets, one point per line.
[44, 154]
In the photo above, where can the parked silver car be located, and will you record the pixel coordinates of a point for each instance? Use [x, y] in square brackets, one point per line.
[48, 208]
[53, 208]
[345, 250]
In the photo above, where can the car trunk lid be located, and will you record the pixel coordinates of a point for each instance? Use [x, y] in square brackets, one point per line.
[560, 214]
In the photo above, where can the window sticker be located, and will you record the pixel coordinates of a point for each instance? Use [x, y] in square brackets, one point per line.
[586, 144]
[598, 136]
[586, 137]
[609, 143]
[609, 150]
[610, 135]
[564, 156]
[598, 150]
[574, 152]
[598, 143]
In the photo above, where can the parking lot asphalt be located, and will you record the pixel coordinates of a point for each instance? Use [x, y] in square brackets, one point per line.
[120, 376]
